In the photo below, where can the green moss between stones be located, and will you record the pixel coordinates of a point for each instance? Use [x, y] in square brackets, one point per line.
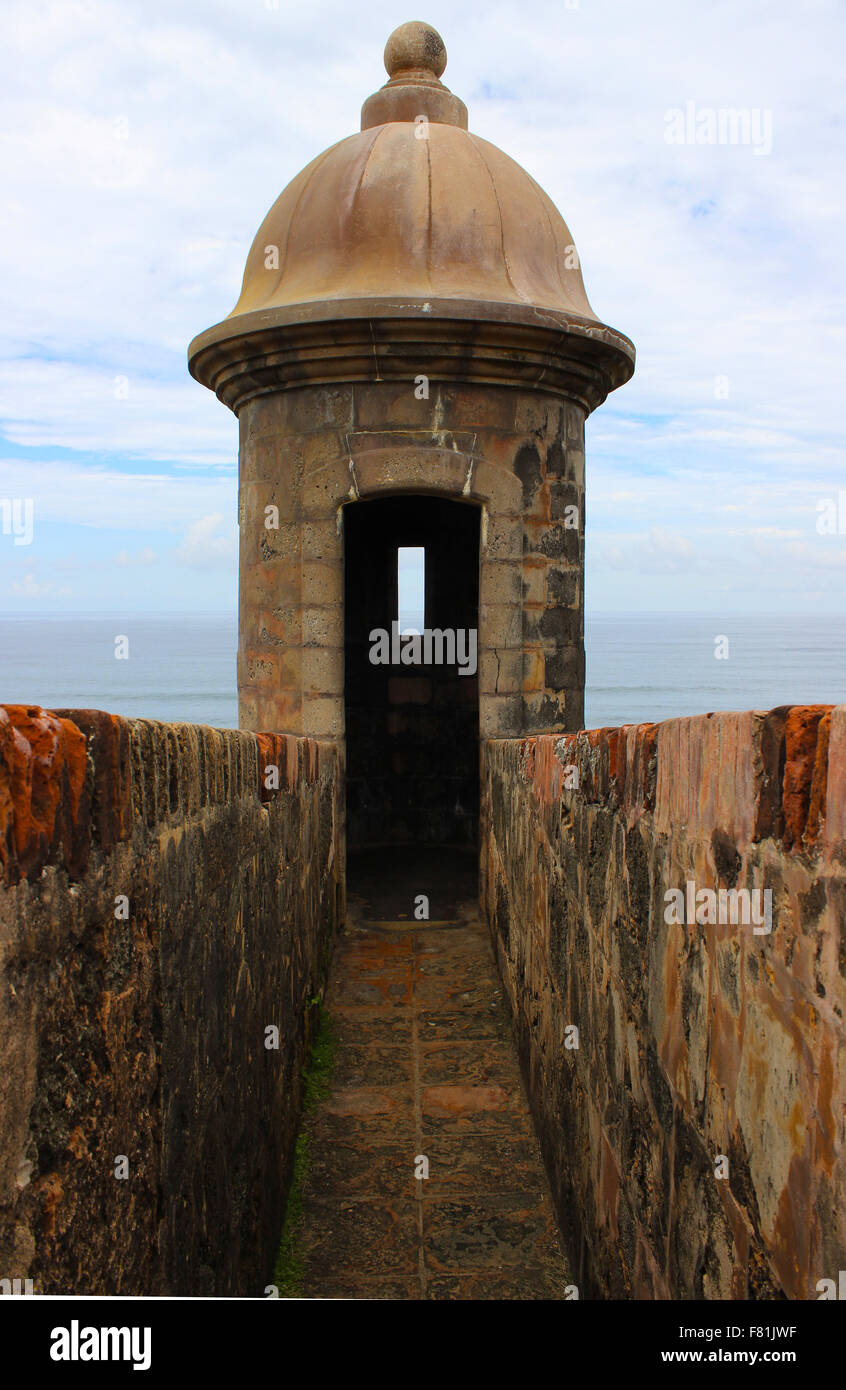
[321, 1041]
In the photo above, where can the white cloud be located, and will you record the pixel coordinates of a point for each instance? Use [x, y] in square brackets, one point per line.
[658, 552]
[116, 408]
[143, 144]
[30, 587]
[108, 499]
[205, 548]
[133, 560]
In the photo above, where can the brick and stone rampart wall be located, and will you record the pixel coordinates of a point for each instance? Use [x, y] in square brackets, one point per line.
[695, 1041]
[161, 908]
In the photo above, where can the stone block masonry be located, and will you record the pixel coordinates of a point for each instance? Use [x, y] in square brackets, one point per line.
[693, 1127]
[309, 455]
[164, 902]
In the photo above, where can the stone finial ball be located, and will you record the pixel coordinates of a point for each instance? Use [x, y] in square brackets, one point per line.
[415, 45]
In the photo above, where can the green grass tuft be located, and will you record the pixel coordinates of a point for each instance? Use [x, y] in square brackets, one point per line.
[321, 1041]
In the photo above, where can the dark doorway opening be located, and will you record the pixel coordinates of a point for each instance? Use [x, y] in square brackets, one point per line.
[412, 720]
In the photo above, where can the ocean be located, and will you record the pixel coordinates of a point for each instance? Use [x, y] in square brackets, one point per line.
[640, 667]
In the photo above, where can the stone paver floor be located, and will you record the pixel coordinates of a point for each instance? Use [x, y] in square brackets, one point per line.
[425, 1065]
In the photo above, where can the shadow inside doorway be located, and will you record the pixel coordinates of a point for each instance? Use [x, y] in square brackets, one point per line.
[386, 885]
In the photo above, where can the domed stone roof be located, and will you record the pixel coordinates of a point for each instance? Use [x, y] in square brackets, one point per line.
[383, 213]
[413, 216]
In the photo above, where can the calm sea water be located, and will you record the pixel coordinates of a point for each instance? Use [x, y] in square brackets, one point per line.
[180, 666]
[651, 666]
[640, 667]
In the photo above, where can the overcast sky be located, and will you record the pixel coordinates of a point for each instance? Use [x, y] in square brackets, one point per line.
[143, 143]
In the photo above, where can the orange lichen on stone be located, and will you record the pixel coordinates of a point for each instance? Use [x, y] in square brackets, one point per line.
[617, 760]
[44, 797]
[311, 759]
[293, 749]
[819, 781]
[594, 749]
[290, 754]
[804, 778]
[108, 746]
[51, 1192]
[269, 755]
[640, 769]
[546, 781]
[825, 1145]
[613, 739]
[77, 1143]
[835, 793]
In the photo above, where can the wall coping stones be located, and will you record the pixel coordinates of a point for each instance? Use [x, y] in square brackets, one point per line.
[755, 775]
[71, 779]
[44, 792]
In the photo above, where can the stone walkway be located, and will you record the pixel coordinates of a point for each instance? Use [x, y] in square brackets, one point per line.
[426, 1065]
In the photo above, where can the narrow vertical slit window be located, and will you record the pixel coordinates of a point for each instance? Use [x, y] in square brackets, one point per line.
[411, 588]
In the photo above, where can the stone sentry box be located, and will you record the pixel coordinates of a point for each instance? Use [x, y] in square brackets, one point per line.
[412, 321]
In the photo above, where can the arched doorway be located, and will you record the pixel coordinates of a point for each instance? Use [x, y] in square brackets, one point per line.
[411, 570]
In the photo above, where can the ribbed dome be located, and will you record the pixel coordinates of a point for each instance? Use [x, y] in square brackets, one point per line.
[412, 221]
[386, 213]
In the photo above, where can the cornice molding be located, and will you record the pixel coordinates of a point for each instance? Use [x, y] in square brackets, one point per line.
[265, 352]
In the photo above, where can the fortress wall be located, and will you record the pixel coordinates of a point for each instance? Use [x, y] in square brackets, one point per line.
[145, 1036]
[695, 1041]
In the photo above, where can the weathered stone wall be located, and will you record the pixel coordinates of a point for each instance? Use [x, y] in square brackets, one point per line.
[517, 453]
[144, 1036]
[694, 1041]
